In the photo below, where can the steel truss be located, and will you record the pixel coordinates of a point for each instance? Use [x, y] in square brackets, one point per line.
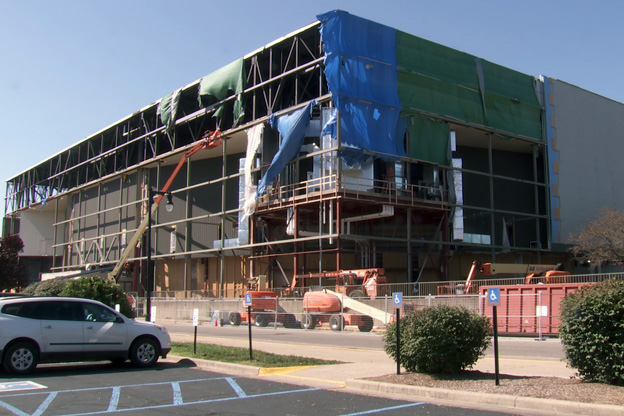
[280, 75]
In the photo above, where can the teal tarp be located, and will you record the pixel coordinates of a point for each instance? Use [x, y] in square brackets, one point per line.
[221, 84]
[168, 108]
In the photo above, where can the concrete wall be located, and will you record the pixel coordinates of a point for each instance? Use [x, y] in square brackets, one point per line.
[589, 140]
[37, 233]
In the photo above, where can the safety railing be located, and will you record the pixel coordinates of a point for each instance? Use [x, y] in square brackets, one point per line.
[439, 288]
[366, 189]
[290, 311]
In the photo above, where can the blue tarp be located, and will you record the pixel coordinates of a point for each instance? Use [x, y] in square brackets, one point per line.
[362, 75]
[292, 127]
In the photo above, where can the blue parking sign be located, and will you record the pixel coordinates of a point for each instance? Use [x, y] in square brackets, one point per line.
[397, 298]
[493, 296]
[248, 299]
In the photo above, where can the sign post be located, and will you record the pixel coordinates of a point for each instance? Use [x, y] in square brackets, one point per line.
[195, 325]
[397, 299]
[494, 300]
[248, 304]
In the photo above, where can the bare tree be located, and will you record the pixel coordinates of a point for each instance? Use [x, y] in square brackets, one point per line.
[602, 240]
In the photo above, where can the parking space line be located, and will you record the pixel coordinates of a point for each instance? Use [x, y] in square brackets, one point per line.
[43, 406]
[384, 409]
[116, 392]
[165, 406]
[177, 393]
[121, 387]
[12, 409]
[239, 391]
[114, 401]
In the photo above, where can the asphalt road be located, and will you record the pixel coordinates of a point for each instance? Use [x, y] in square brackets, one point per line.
[509, 347]
[177, 388]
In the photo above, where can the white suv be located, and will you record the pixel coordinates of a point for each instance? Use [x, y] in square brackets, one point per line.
[54, 329]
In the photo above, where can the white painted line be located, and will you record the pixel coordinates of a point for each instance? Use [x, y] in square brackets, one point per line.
[236, 387]
[401, 406]
[177, 394]
[114, 401]
[20, 385]
[43, 406]
[13, 410]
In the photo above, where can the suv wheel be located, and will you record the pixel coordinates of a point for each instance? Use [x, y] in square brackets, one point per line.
[144, 352]
[21, 358]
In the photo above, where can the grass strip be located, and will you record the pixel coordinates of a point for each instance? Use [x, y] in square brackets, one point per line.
[238, 355]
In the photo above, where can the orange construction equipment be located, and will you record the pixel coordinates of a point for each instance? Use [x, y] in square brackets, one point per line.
[535, 273]
[354, 283]
[208, 140]
[326, 307]
[321, 307]
[264, 309]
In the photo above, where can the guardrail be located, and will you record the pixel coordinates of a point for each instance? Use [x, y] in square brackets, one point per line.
[542, 315]
[456, 287]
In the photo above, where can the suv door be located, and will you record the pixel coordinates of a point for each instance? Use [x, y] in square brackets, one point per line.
[103, 329]
[61, 326]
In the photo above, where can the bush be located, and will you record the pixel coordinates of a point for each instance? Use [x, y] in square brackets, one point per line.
[103, 290]
[592, 331]
[89, 287]
[442, 339]
[46, 288]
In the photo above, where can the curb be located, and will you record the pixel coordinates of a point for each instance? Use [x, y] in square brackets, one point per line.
[550, 406]
[228, 368]
[484, 399]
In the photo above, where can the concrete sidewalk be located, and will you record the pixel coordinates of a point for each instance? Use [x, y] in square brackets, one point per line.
[365, 363]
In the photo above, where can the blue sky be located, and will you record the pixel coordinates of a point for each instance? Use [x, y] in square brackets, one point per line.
[72, 67]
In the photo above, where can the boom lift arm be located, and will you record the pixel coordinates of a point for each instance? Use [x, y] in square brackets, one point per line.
[208, 140]
[529, 270]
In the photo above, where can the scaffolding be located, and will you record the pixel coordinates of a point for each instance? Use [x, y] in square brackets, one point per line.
[321, 213]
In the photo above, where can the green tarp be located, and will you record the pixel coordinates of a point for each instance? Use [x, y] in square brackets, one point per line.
[441, 81]
[223, 83]
[428, 139]
[168, 108]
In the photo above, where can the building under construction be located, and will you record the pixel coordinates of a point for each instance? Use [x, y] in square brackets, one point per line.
[344, 145]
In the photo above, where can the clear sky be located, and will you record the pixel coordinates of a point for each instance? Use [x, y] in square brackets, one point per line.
[69, 68]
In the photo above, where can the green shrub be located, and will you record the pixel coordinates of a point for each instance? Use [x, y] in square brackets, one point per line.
[89, 287]
[46, 288]
[592, 331]
[103, 290]
[442, 339]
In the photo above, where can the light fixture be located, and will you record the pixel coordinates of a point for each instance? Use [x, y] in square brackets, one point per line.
[169, 204]
[152, 194]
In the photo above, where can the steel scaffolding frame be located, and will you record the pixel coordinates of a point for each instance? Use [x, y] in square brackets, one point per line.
[280, 75]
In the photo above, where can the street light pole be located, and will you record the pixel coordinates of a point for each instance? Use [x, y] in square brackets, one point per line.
[149, 273]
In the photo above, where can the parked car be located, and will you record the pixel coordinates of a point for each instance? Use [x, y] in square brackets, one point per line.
[53, 329]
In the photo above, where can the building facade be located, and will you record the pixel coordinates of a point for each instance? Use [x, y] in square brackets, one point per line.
[344, 145]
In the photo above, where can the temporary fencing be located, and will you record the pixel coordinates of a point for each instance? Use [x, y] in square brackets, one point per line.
[290, 311]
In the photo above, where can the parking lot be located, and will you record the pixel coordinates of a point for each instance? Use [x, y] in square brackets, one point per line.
[178, 388]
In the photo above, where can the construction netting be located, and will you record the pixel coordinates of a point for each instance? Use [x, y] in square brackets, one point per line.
[221, 84]
[385, 81]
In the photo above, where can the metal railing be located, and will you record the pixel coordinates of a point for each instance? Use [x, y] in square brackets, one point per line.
[285, 310]
[456, 287]
[538, 318]
[366, 189]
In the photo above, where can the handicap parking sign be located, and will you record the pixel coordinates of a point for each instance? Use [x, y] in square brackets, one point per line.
[397, 298]
[248, 299]
[493, 296]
